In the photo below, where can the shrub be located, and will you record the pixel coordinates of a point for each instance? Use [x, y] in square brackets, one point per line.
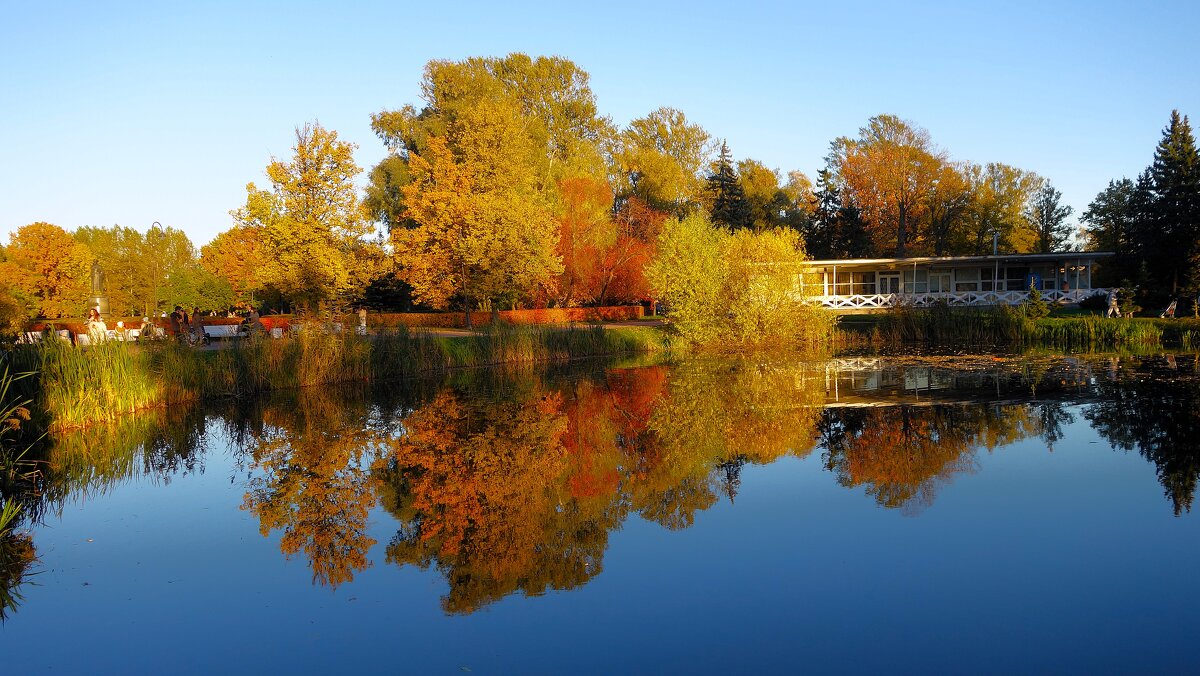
[737, 288]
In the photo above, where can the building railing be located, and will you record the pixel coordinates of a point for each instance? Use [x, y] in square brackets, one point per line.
[952, 298]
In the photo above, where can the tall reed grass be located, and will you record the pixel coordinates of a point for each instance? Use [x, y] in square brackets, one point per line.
[1012, 327]
[78, 387]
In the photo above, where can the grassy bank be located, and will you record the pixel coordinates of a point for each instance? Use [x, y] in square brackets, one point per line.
[78, 387]
[1011, 328]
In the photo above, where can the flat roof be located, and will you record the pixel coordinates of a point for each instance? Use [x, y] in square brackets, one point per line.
[955, 260]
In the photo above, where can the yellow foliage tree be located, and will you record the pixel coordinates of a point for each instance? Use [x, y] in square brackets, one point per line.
[310, 223]
[734, 288]
[482, 230]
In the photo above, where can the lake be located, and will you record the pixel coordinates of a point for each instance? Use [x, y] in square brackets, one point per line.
[862, 514]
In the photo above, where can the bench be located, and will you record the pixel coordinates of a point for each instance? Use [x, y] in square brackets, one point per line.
[224, 331]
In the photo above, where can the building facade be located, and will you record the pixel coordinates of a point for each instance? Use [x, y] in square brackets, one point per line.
[879, 283]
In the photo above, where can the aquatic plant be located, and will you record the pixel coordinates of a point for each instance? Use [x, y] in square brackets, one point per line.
[77, 387]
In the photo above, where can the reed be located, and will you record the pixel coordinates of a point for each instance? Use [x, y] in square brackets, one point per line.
[1012, 327]
[78, 387]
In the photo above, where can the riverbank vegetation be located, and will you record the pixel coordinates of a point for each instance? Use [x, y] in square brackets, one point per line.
[75, 387]
[1016, 328]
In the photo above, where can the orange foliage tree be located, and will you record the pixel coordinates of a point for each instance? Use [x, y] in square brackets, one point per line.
[236, 256]
[585, 230]
[50, 269]
[889, 172]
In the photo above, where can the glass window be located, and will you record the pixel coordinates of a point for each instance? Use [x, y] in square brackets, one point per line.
[966, 279]
[1017, 278]
[863, 283]
[985, 279]
[916, 281]
[939, 282]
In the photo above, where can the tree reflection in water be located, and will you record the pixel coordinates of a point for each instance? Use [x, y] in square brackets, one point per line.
[1153, 405]
[902, 454]
[312, 480]
[511, 482]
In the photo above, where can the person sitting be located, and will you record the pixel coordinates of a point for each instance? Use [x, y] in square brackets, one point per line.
[1169, 312]
[97, 330]
[197, 327]
[147, 330]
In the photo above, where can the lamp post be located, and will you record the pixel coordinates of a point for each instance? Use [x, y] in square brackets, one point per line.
[153, 311]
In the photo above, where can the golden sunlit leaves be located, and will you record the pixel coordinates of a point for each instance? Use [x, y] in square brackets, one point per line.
[50, 269]
[310, 224]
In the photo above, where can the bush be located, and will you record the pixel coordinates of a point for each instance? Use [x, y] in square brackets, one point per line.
[737, 288]
[1096, 302]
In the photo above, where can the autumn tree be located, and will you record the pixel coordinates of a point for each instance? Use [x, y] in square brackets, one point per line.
[620, 275]
[999, 194]
[1048, 215]
[235, 255]
[516, 129]
[310, 222]
[948, 204]
[49, 269]
[889, 171]
[733, 288]
[483, 233]
[551, 95]
[660, 159]
[586, 231]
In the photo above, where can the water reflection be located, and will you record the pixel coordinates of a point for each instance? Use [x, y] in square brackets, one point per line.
[1153, 406]
[310, 465]
[512, 482]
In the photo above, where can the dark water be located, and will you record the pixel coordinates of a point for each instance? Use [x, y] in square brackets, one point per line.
[857, 515]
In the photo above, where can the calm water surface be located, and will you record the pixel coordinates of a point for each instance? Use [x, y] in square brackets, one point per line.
[854, 515]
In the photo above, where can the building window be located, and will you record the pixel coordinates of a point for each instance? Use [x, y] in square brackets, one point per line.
[863, 283]
[1017, 278]
[966, 279]
[916, 281]
[939, 281]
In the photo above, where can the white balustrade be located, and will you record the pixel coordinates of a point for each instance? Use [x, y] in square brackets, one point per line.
[954, 299]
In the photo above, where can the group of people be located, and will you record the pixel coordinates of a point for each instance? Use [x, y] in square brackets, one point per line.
[187, 329]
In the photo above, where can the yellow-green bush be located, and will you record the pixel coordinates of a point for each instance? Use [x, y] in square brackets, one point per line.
[734, 289]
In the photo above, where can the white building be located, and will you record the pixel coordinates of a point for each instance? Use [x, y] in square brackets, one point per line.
[871, 284]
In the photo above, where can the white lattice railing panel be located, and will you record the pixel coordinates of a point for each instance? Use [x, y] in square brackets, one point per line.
[956, 299]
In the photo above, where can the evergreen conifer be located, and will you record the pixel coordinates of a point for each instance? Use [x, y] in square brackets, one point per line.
[730, 208]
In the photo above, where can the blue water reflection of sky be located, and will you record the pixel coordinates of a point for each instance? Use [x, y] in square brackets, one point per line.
[1070, 560]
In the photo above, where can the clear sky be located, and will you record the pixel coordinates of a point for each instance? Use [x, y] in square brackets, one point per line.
[116, 113]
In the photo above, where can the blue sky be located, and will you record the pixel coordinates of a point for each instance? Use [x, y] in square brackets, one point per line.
[133, 113]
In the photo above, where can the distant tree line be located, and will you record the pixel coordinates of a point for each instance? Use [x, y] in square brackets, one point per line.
[506, 187]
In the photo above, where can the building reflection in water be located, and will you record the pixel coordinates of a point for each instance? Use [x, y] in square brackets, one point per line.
[511, 482]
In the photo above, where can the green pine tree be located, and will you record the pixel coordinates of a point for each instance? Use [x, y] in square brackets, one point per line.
[730, 208]
[1172, 224]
